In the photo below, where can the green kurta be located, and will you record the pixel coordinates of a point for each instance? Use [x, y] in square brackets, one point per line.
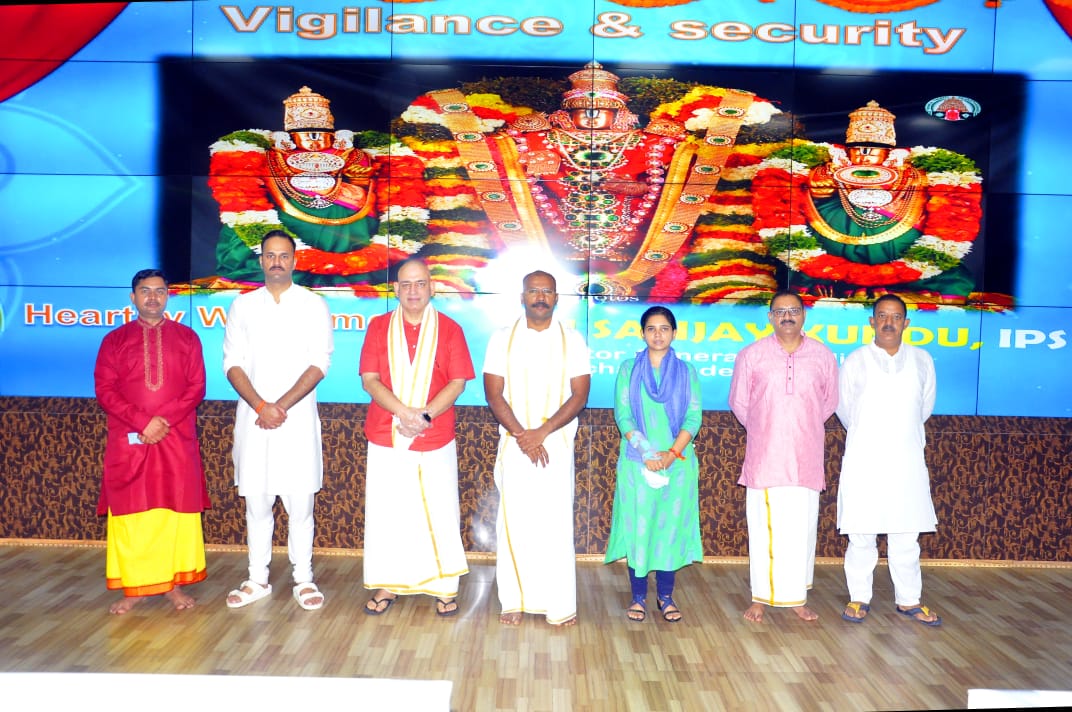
[656, 529]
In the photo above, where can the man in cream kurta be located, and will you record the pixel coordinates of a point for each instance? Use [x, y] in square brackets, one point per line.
[537, 374]
[887, 392]
[414, 365]
[276, 348]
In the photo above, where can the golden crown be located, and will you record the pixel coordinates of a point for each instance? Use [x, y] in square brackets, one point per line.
[594, 88]
[871, 124]
[307, 111]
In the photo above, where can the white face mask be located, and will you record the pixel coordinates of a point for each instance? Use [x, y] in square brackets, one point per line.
[655, 480]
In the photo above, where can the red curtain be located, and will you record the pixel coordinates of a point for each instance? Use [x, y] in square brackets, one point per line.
[35, 39]
[1062, 12]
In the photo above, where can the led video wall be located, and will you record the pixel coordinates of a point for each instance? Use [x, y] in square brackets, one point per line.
[692, 153]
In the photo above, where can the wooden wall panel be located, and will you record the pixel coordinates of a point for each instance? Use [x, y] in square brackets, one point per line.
[1002, 486]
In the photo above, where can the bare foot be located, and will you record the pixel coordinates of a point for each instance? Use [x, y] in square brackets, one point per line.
[125, 604]
[805, 613]
[572, 620]
[636, 612]
[510, 618]
[179, 599]
[754, 613]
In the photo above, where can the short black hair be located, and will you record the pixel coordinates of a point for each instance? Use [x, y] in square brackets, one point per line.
[539, 273]
[144, 274]
[279, 233]
[785, 293]
[889, 298]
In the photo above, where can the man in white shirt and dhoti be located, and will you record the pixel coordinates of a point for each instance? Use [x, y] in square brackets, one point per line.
[414, 365]
[537, 374]
[276, 349]
[887, 391]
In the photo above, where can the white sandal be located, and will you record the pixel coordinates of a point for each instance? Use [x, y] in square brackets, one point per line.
[303, 598]
[256, 592]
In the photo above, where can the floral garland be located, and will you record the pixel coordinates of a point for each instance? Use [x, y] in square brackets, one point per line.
[741, 268]
[952, 216]
[875, 6]
[238, 175]
[723, 260]
[651, 3]
[459, 241]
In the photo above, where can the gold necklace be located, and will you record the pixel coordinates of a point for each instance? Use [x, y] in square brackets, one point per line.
[282, 173]
[592, 151]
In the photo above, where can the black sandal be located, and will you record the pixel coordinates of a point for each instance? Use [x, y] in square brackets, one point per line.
[668, 608]
[443, 607]
[637, 615]
[375, 610]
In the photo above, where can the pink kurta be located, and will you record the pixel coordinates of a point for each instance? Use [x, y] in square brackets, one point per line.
[143, 371]
[784, 400]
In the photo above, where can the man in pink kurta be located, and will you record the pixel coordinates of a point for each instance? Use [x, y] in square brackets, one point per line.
[150, 378]
[784, 388]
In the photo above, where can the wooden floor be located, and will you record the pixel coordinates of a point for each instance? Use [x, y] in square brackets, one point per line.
[1005, 627]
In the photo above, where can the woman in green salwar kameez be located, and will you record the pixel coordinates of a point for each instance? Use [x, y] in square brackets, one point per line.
[656, 522]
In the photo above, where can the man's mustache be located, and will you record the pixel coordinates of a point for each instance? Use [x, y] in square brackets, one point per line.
[783, 322]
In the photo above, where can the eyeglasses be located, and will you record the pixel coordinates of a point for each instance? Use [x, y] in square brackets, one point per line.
[546, 292]
[790, 311]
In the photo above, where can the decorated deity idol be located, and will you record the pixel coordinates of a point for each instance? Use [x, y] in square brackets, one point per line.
[615, 204]
[861, 219]
[309, 180]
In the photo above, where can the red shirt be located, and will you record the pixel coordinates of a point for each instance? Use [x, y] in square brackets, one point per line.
[142, 371]
[452, 361]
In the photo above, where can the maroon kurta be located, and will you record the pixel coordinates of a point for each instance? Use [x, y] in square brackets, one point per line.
[143, 371]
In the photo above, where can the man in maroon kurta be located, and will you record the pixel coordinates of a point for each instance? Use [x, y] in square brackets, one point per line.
[150, 378]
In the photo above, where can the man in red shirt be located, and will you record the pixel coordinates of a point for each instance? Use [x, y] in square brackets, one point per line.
[149, 379]
[414, 365]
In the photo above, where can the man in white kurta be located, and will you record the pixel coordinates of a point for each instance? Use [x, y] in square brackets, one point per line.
[276, 348]
[887, 391]
[537, 374]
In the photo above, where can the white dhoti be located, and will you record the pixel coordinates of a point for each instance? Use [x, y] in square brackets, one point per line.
[782, 523]
[413, 540]
[535, 567]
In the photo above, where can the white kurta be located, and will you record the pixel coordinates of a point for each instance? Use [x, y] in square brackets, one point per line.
[274, 344]
[884, 400]
[535, 569]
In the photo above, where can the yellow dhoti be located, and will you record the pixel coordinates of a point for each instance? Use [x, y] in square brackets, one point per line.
[152, 552]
